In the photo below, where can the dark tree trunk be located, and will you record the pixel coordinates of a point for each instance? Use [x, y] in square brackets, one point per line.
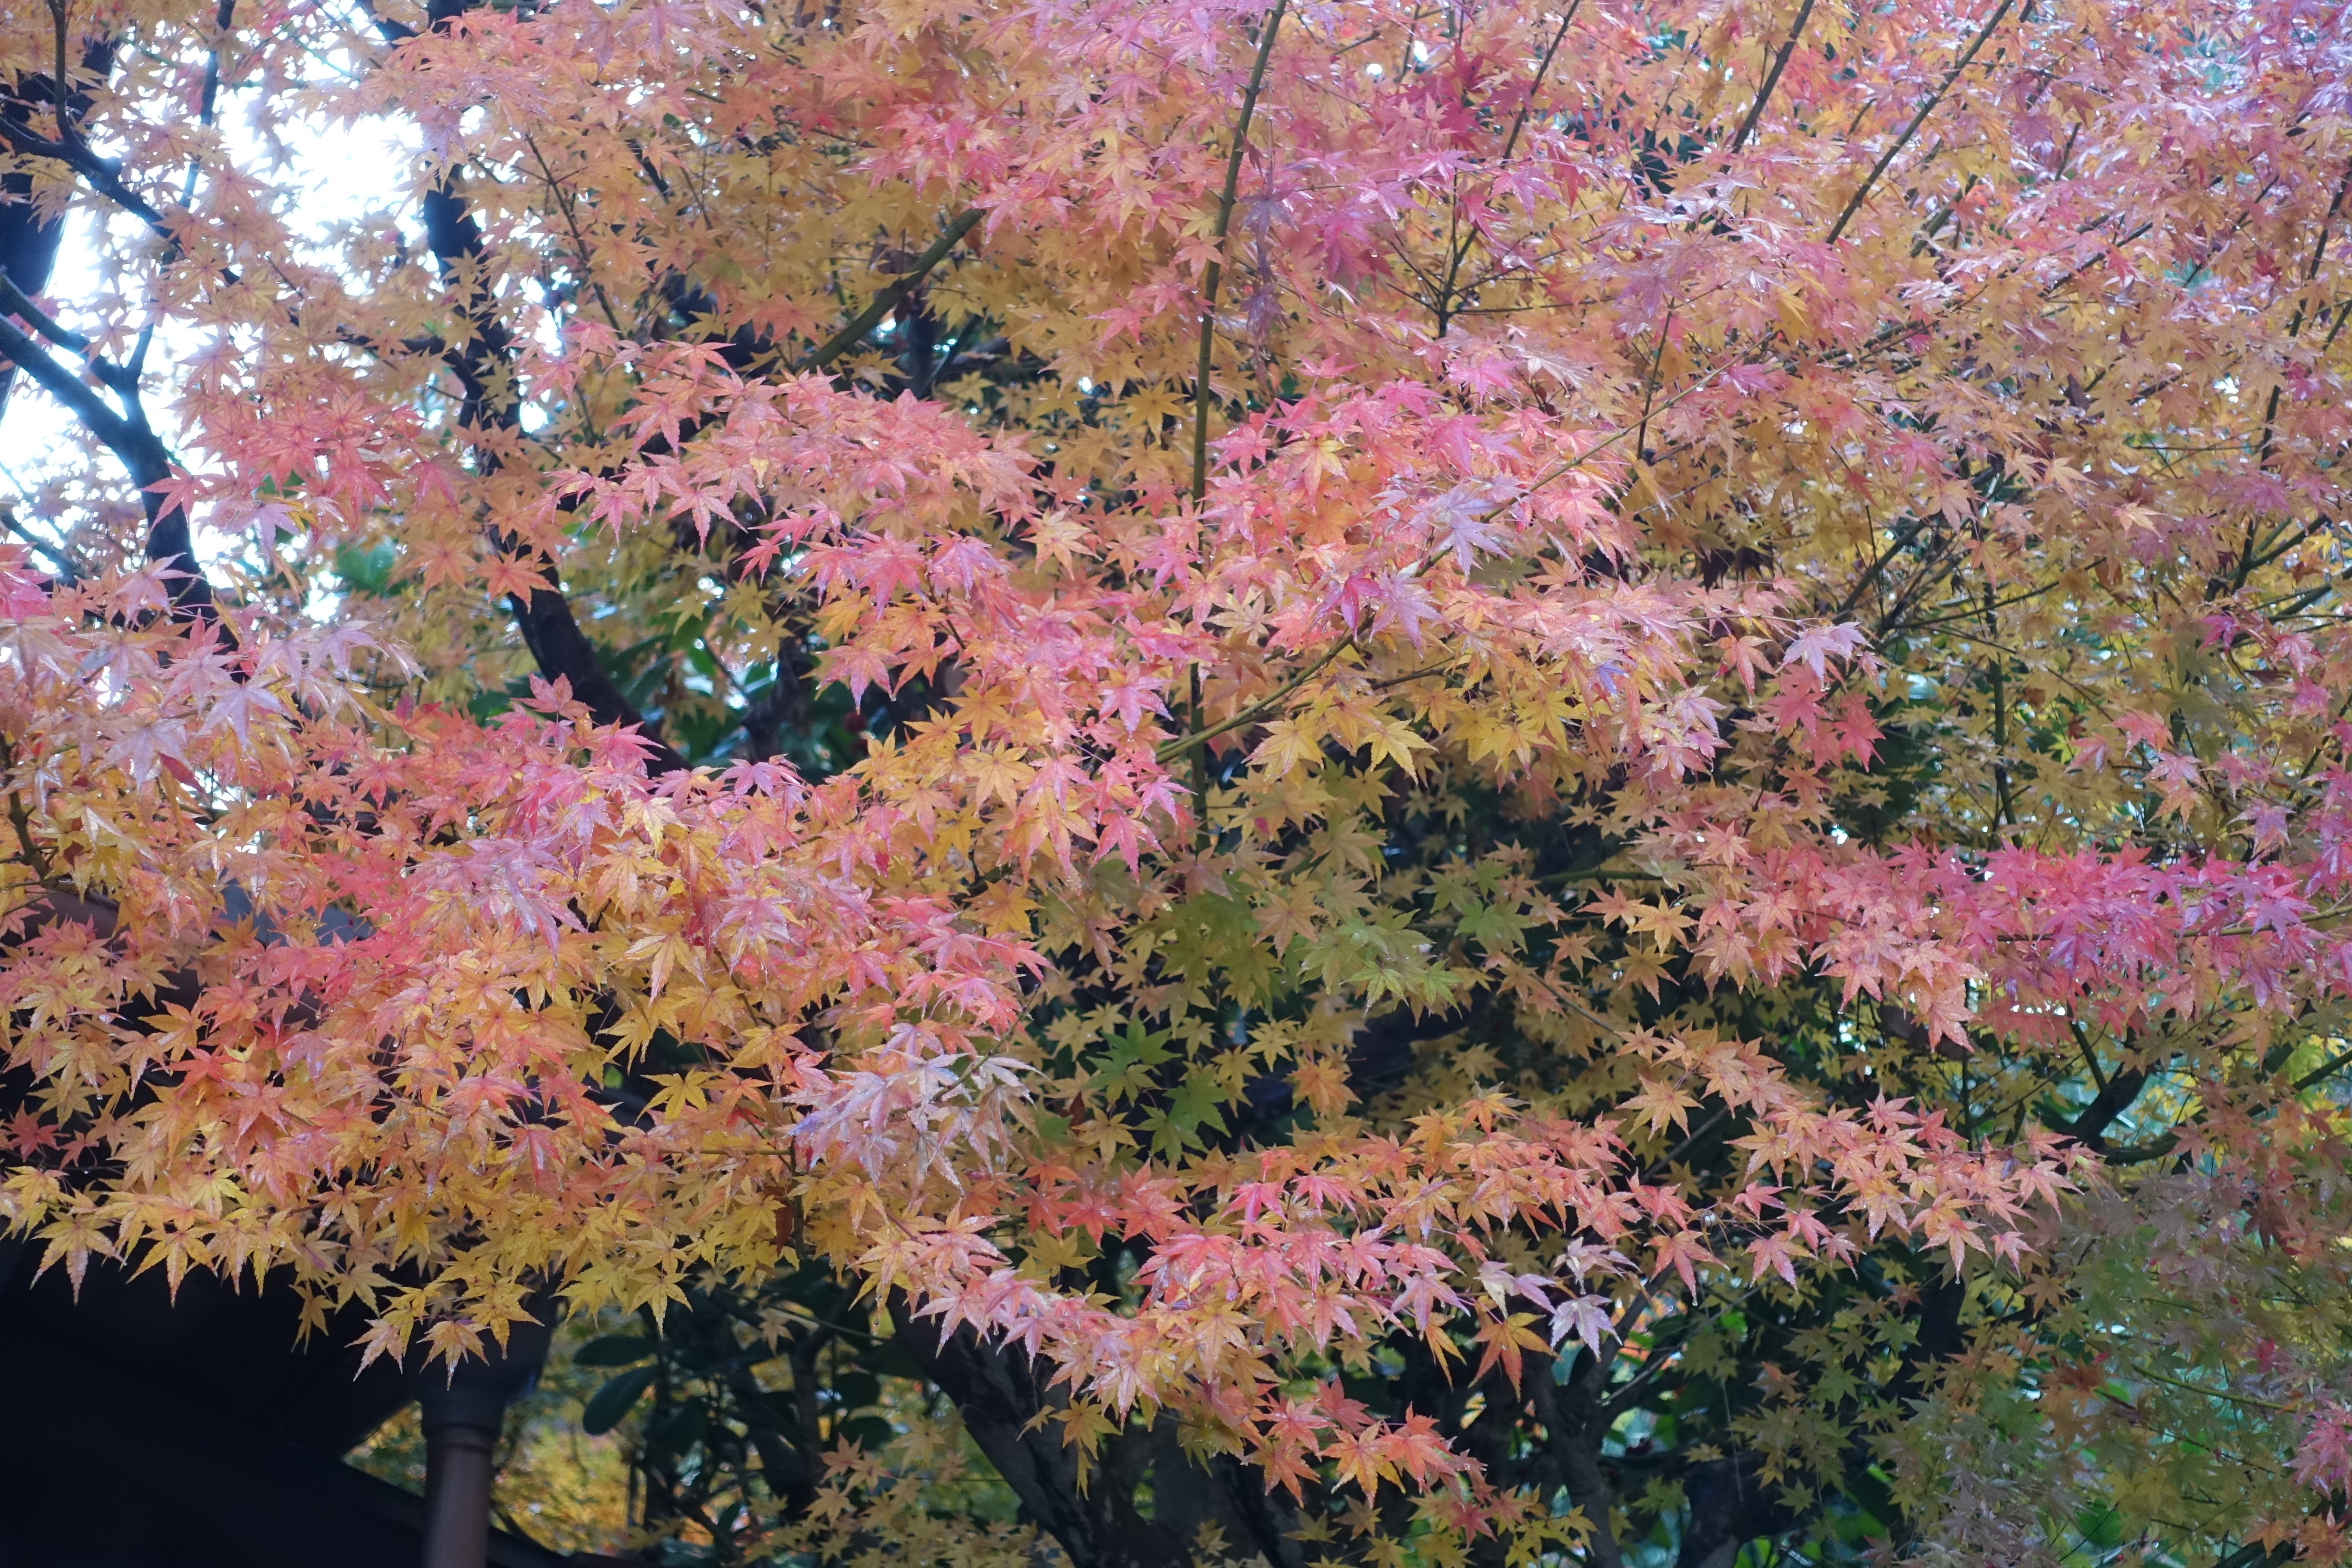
[1001, 1393]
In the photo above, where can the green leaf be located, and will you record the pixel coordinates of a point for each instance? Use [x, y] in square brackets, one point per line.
[367, 571]
[2101, 1525]
[609, 1403]
[613, 1349]
[890, 1359]
[870, 1433]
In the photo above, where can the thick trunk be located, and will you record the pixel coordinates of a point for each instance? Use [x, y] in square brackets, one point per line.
[1225, 1493]
[1730, 1506]
[1574, 1423]
[460, 1459]
[1001, 1393]
[28, 247]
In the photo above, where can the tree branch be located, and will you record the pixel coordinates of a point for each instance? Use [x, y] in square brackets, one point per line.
[888, 299]
[1002, 1394]
[1729, 1506]
[104, 176]
[1574, 1422]
[1861, 191]
[28, 247]
[1214, 277]
[144, 456]
[1771, 79]
[2115, 1098]
[483, 366]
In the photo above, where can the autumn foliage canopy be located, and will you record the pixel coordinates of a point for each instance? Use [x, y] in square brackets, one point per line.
[1550, 782]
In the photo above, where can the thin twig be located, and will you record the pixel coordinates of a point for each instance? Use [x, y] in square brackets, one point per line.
[1460, 248]
[883, 303]
[1256, 710]
[1878, 568]
[66, 136]
[1862, 193]
[1214, 277]
[1210, 281]
[1771, 79]
[67, 571]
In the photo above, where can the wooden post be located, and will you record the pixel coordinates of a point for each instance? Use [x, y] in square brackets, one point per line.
[462, 1421]
[464, 1414]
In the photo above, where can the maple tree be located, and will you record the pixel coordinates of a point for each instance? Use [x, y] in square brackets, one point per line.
[1413, 782]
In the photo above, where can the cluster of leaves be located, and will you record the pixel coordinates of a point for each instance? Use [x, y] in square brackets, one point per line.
[1414, 784]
